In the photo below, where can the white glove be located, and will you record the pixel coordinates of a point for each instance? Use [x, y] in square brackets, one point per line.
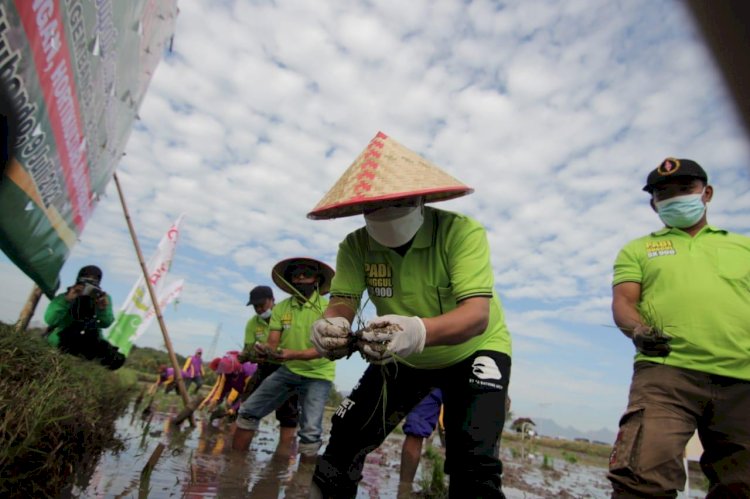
[389, 335]
[331, 337]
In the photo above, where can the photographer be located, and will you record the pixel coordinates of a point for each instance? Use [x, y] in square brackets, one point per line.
[75, 319]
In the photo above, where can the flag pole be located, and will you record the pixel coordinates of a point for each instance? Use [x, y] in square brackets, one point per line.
[154, 300]
[28, 309]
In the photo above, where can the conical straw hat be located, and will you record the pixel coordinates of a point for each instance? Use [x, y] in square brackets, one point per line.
[383, 172]
[284, 281]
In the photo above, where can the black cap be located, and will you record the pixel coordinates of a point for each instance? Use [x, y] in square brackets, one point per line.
[260, 294]
[674, 168]
[90, 271]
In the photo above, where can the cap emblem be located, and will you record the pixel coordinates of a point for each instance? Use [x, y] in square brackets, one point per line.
[668, 167]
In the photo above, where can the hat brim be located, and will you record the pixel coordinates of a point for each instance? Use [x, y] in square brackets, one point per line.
[279, 271]
[359, 206]
[650, 187]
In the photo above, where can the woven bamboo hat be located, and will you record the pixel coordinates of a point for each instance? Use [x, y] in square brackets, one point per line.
[282, 275]
[386, 171]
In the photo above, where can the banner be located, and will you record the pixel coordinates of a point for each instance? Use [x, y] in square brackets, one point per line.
[73, 74]
[130, 327]
[137, 312]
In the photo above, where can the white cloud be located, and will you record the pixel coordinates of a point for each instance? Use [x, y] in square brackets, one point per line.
[553, 111]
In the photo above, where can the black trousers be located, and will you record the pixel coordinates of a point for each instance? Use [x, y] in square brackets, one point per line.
[85, 341]
[474, 392]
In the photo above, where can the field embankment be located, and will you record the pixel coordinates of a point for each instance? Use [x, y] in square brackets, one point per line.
[57, 414]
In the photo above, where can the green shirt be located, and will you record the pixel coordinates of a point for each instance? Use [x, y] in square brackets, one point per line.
[697, 289]
[57, 316]
[294, 320]
[448, 261]
[256, 329]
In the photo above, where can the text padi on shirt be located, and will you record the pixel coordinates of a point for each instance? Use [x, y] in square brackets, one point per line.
[659, 248]
[379, 279]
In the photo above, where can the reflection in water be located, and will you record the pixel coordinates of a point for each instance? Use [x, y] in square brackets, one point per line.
[272, 476]
[199, 462]
[299, 484]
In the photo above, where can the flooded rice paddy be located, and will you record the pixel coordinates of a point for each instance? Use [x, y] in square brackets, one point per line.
[197, 462]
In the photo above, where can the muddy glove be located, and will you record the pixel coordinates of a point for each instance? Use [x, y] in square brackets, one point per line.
[331, 337]
[247, 354]
[389, 335]
[651, 342]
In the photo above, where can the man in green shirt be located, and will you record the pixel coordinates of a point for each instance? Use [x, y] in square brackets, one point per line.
[303, 370]
[76, 318]
[682, 295]
[256, 341]
[439, 324]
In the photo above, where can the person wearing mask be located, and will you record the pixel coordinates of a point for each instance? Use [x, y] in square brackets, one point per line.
[303, 370]
[439, 323]
[682, 295]
[255, 350]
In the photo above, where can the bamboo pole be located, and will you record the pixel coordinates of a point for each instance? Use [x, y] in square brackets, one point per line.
[28, 309]
[154, 301]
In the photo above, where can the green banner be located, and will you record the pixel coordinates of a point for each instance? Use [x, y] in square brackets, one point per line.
[73, 74]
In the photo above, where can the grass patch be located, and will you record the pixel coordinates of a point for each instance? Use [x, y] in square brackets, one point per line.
[571, 451]
[57, 414]
[433, 481]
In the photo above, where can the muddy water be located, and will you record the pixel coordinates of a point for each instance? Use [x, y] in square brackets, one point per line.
[198, 462]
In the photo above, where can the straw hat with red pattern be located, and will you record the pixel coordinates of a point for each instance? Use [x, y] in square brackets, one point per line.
[384, 172]
[281, 273]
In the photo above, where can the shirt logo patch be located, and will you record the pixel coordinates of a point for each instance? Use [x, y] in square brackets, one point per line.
[379, 278]
[660, 248]
[286, 320]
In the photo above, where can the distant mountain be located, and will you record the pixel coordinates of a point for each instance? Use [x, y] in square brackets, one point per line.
[549, 428]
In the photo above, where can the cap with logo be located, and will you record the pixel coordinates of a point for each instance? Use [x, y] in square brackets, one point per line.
[672, 168]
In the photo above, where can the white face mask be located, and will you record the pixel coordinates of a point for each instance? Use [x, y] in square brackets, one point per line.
[266, 314]
[394, 226]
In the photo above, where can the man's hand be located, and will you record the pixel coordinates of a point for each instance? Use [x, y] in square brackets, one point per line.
[262, 350]
[392, 335]
[73, 292]
[102, 301]
[651, 342]
[331, 337]
[247, 355]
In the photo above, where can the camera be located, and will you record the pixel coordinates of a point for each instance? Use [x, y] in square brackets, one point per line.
[90, 287]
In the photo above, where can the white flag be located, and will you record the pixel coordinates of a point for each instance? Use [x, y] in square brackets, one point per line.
[137, 312]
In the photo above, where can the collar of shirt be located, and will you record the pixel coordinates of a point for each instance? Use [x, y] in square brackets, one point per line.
[676, 231]
[310, 302]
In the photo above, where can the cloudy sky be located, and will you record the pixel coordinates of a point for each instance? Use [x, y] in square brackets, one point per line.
[553, 111]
